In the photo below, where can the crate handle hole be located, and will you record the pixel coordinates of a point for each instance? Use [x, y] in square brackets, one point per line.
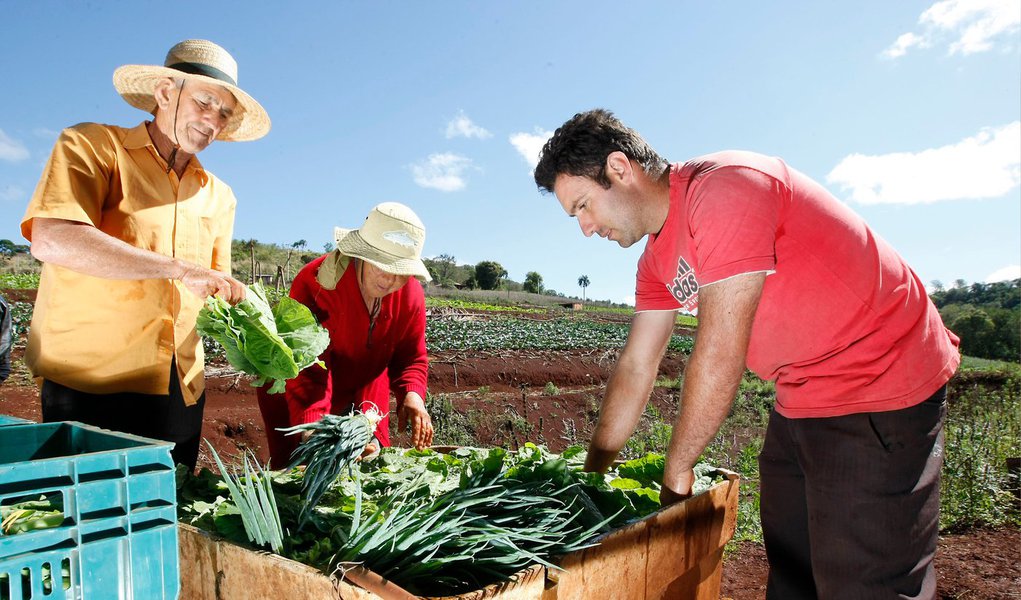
[30, 512]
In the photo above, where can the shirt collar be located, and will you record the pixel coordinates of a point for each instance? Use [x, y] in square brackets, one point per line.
[138, 137]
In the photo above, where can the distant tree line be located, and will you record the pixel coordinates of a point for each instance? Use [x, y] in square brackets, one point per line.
[9, 249]
[986, 316]
[491, 275]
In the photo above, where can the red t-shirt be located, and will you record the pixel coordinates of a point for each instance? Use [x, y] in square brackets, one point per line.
[843, 325]
[362, 365]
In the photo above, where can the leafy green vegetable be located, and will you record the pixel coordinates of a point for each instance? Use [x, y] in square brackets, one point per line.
[271, 344]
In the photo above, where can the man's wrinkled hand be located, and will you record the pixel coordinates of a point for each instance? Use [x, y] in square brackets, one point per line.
[207, 282]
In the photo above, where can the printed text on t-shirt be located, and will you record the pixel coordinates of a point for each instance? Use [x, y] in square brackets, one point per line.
[684, 287]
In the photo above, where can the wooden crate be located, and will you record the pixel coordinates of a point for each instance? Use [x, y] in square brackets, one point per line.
[216, 569]
[676, 552]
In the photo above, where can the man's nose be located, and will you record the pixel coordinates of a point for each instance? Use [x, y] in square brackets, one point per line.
[587, 226]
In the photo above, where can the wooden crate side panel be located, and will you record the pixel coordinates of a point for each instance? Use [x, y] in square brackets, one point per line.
[247, 574]
[213, 569]
[699, 583]
[613, 569]
[681, 539]
[198, 564]
[526, 585]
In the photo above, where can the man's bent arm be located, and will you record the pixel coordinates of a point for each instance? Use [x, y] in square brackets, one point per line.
[629, 387]
[85, 249]
[726, 312]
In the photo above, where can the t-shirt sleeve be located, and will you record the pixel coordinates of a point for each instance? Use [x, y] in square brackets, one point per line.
[76, 179]
[733, 215]
[650, 293]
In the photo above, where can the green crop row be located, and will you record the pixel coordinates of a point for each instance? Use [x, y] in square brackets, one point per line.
[521, 334]
[435, 302]
[19, 281]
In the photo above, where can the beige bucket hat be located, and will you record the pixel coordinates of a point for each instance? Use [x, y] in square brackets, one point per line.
[391, 238]
[199, 60]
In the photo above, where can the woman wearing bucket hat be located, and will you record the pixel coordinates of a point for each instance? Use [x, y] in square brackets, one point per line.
[134, 234]
[367, 295]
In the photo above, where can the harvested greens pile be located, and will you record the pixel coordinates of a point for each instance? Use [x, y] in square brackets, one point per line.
[439, 524]
[271, 344]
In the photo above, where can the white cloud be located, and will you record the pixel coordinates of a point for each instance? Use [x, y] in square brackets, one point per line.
[972, 25]
[442, 172]
[529, 145]
[11, 149]
[985, 165]
[903, 43]
[1008, 273]
[11, 192]
[462, 126]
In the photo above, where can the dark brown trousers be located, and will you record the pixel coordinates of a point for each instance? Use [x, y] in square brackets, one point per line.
[850, 505]
[153, 416]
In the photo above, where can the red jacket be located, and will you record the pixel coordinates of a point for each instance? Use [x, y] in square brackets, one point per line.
[361, 360]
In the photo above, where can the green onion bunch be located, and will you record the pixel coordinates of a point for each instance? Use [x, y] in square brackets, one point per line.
[252, 493]
[335, 443]
[487, 530]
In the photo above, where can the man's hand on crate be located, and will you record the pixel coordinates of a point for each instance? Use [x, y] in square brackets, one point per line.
[670, 494]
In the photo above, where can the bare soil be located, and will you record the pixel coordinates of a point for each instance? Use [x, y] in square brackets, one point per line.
[557, 394]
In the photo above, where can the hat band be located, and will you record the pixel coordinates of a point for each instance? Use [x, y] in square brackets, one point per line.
[201, 69]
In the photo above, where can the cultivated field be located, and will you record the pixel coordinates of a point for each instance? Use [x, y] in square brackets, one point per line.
[501, 376]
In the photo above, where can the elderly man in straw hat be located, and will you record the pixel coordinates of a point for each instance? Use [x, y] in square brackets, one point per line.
[134, 234]
[366, 293]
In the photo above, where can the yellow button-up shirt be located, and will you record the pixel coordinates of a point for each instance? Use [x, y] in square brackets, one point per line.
[105, 336]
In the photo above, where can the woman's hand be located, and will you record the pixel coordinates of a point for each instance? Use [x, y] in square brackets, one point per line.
[412, 410]
[371, 449]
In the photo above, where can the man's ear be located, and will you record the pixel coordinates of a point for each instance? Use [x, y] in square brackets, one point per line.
[618, 167]
[164, 92]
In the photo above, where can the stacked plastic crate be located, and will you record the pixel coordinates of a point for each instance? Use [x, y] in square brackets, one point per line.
[118, 535]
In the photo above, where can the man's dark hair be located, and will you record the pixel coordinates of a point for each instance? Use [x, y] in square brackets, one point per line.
[580, 147]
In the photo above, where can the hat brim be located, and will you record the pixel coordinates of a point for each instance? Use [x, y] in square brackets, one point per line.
[137, 85]
[351, 243]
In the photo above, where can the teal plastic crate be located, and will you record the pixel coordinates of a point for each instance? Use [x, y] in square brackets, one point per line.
[118, 535]
[9, 420]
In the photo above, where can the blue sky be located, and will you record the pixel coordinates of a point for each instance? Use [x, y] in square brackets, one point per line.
[908, 111]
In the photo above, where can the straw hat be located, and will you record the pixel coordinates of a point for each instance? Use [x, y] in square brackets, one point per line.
[196, 60]
[391, 238]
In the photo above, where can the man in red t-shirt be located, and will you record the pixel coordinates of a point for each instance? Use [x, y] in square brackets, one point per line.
[791, 284]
